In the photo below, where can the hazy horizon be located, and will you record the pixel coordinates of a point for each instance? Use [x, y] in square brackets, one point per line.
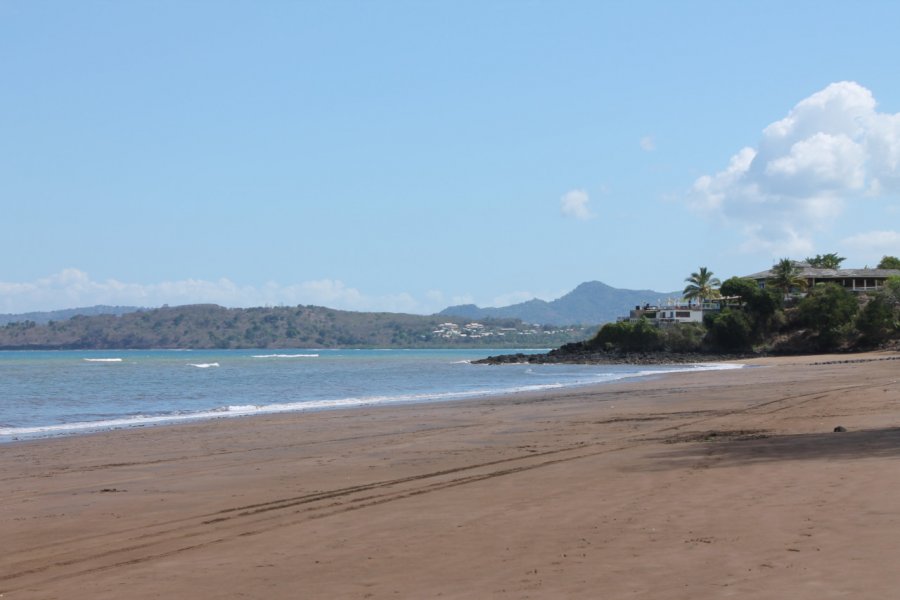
[152, 307]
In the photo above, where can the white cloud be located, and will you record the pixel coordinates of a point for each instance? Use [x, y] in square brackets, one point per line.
[461, 299]
[873, 245]
[575, 204]
[648, 144]
[512, 298]
[72, 288]
[832, 149]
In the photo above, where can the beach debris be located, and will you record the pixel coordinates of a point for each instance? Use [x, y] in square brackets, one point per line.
[840, 429]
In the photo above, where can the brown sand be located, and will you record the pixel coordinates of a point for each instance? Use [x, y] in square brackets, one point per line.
[709, 485]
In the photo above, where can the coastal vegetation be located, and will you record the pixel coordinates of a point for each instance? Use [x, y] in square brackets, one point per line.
[701, 286]
[889, 262]
[211, 326]
[826, 261]
[786, 277]
[784, 317]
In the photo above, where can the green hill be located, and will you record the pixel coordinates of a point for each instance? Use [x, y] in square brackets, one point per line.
[59, 315]
[212, 326]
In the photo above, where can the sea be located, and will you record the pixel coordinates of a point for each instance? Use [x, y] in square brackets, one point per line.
[57, 393]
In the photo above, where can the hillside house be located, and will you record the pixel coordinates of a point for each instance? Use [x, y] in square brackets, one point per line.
[855, 280]
[675, 312]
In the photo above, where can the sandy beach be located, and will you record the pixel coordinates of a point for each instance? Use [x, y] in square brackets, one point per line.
[704, 485]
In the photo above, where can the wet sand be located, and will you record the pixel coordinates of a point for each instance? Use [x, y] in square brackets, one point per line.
[706, 485]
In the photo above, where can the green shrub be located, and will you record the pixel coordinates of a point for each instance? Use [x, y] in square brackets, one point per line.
[827, 310]
[683, 337]
[761, 305]
[640, 336]
[878, 319]
[739, 286]
[729, 330]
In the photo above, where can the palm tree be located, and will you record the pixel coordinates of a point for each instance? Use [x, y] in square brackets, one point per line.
[786, 276]
[701, 286]
[826, 261]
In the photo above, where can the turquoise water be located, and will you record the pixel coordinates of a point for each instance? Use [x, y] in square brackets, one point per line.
[69, 392]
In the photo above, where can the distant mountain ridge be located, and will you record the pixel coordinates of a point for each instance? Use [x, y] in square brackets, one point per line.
[44, 317]
[591, 303]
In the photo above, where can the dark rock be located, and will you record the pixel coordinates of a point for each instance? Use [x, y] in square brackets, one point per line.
[580, 353]
[839, 429]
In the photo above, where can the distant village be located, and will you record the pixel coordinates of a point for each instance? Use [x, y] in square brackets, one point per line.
[474, 331]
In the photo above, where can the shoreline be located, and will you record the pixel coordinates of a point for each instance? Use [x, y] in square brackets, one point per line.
[691, 485]
[10, 435]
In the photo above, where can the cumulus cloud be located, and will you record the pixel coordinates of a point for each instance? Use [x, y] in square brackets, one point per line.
[832, 148]
[575, 204]
[873, 245]
[72, 288]
[648, 144]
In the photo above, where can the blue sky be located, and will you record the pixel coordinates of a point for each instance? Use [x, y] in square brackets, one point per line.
[406, 156]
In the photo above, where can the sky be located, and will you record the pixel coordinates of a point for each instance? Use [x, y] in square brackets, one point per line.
[408, 156]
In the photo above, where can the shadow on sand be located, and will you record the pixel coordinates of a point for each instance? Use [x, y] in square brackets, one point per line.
[726, 449]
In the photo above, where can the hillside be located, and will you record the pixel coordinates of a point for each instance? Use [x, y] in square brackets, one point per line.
[211, 326]
[61, 315]
[591, 303]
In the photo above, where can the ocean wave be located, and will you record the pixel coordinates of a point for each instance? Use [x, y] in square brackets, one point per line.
[103, 360]
[693, 368]
[239, 410]
[203, 365]
[285, 356]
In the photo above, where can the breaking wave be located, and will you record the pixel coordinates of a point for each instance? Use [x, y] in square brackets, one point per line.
[240, 410]
[285, 356]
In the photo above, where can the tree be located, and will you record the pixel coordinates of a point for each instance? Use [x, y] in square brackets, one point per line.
[739, 286]
[891, 290]
[786, 276]
[826, 261]
[729, 330]
[639, 336]
[889, 262]
[826, 310]
[701, 286]
[759, 304]
[879, 318]
[876, 320]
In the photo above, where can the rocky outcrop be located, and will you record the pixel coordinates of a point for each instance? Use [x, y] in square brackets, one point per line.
[578, 353]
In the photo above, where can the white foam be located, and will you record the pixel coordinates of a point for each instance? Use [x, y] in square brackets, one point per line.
[351, 402]
[103, 360]
[203, 365]
[251, 409]
[285, 356]
[689, 369]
